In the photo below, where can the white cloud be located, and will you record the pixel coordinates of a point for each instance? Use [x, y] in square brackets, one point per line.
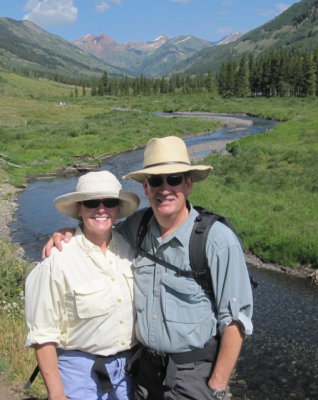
[226, 3]
[102, 7]
[51, 12]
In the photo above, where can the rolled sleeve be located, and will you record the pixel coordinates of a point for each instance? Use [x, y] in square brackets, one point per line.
[42, 306]
[231, 283]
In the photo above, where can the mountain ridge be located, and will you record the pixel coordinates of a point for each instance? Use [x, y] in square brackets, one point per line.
[26, 45]
[152, 58]
[295, 28]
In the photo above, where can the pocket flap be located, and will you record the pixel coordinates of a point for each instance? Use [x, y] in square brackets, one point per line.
[90, 287]
[187, 286]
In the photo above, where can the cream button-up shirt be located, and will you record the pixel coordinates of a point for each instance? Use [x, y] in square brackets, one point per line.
[81, 299]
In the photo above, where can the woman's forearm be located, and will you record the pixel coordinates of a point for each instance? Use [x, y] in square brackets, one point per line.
[47, 361]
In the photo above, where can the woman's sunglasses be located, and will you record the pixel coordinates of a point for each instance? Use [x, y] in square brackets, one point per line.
[107, 203]
[172, 180]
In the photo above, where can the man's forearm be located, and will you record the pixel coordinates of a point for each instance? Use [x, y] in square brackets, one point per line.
[230, 347]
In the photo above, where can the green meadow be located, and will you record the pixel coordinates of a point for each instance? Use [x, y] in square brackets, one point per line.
[267, 185]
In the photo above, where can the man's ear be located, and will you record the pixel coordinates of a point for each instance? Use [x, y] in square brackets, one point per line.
[145, 186]
[189, 184]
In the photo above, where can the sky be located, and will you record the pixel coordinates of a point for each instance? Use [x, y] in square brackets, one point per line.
[144, 20]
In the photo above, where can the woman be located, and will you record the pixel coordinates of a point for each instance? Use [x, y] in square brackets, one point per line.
[79, 302]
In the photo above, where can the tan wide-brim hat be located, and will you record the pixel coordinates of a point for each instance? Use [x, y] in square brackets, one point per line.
[97, 185]
[168, 155]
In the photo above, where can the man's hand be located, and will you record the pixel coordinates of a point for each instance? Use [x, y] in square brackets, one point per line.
[63, 235]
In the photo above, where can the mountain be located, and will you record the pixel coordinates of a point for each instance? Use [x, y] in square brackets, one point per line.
[152, 59]
[24, 45]
[229, 38]
[295, 28]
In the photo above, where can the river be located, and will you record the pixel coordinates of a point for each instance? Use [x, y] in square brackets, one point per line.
[280, 360]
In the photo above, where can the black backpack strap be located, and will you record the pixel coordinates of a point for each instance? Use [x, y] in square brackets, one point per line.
[141, 233]
[143, 227]
[197, 248]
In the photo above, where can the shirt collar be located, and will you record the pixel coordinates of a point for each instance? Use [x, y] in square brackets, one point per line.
[86, 244]
[181, 233]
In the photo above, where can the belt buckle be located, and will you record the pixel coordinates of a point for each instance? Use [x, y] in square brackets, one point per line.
[157, 357]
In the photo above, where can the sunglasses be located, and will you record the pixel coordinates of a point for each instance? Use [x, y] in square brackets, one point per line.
[172, 180]
[107, 203]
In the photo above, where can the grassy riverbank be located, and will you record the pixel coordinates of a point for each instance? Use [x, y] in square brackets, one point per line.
[268, 187]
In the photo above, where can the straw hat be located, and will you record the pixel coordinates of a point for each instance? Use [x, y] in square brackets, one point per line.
[168, 155]
[97, 185]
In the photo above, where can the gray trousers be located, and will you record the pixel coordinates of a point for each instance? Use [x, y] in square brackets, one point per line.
[190, 381]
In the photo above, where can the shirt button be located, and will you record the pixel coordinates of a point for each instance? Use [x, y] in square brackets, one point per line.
[123, 343]
[121, 322]
[152, 340]
[119, 300]
[157, 294]
[154, 316]
[113, 279]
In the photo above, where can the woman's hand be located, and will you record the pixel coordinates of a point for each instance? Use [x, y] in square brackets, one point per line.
[63, 235]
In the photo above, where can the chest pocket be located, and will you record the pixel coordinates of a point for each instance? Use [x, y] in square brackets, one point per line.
[94, 298]
[184, 300]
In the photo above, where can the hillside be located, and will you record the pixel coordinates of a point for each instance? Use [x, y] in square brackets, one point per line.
[24, 45]
[152, 59]
[296, 28]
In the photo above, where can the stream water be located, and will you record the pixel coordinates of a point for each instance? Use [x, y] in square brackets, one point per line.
[280, 360]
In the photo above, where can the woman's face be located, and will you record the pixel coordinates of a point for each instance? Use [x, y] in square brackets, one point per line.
[98, 220]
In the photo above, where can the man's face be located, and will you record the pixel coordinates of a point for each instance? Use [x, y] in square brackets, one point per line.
[167, 193]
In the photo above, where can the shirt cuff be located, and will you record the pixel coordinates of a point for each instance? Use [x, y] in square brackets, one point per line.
[35, 337]
[243, 321]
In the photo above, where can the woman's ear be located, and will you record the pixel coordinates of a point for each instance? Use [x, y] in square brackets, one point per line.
[79, 208]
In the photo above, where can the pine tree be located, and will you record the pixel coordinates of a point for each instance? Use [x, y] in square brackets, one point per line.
[310, 82]
[243, 79]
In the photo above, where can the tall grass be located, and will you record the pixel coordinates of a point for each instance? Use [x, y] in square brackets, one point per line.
[17, 362]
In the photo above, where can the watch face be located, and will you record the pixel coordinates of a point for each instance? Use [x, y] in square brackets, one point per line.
[220, 394]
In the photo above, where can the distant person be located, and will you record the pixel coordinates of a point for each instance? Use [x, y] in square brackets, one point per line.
[79, 302]
[178, 324]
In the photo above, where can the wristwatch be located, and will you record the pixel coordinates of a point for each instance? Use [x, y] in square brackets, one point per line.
[217, 393]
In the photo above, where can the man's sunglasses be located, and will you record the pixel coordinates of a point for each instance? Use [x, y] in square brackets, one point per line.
[107, 203]
[172, 180]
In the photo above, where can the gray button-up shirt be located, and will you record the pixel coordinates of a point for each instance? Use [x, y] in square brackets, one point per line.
[174, 314]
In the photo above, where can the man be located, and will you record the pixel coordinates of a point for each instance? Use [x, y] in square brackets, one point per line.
[178, 324]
